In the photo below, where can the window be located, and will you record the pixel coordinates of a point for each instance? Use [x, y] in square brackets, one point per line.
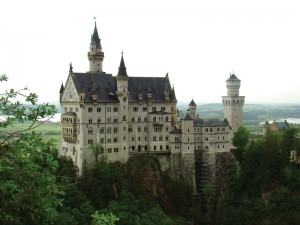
[102, 130]
[154, 138]
[108, 109]
[90, 120]
[109, 150]
[109, 119]
[139, 119]
[206, 129]
[90, 130]
[154, 147]
[90, 109]
[160, 138]
[163, 108]
[116, 149]
[153, 109]
[109, 140]
[145, 129]
[167, 138]
[211, 130]
[115, 140]
[130, 129]
[154, 119]
[160, 147]
[132, 119]
[206, 138]
[145, 109]
[90, 141]
[145, 119]
[115, 130]
[115, 109]
[139, 129]
[167, 119]
[115, 120]
[109, 130]
[167, 129]
[99, 120]
[99, 109]
[135, 109]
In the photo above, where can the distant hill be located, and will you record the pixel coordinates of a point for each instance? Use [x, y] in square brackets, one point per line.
[256, 112]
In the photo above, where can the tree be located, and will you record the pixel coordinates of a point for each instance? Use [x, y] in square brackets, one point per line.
[96, 149]
[104, 219]
[28, 192]
[240, 140]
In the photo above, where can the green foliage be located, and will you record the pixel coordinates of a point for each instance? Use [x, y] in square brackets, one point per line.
[102, 219]
[28, 192]
[266, 189]
[97, 150]
[12, 110]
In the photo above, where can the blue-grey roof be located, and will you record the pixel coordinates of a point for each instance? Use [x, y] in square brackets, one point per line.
[215, 123]
[122, 69]
[192, 103]
[105, 86]
[233, 77]
[95, 38]
[176, 131]
[282, 125]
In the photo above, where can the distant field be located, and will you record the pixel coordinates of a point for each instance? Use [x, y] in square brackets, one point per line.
[47, 130]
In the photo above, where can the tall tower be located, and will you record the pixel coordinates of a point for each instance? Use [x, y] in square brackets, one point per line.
[233, 103]
[95, 55]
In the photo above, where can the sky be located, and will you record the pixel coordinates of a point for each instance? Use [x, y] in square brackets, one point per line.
[198, 42]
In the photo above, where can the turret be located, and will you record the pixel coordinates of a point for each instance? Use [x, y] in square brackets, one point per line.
[95, 55]
[122, 78]
[233, 103]
[192, 107]
[233, 85]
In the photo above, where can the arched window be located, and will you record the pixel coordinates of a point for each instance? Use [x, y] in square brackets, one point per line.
[154, 138]
[90, 130]
[109, 130]
[102, 130]
[99, 109]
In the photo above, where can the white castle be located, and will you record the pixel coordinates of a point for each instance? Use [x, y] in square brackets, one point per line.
[138, 115]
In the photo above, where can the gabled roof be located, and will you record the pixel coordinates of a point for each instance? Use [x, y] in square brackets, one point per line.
[154, 85]
[105, 86]
[282, 125]
[176, 131]
[102, 84]
[214, 123]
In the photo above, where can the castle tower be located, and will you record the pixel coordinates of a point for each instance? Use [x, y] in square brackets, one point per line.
[193, 108]
[233, 103]
[122, 94]
[95, 55]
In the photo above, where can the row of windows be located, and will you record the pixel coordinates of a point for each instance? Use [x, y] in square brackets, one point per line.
[68, 120]
[71, 109]
[69, 130]
[99, 109]
[211, 129]
[211, 138]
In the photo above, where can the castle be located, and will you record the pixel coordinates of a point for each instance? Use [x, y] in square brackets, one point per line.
[138, 115]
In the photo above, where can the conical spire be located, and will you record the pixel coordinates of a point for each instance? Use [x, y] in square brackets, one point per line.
[122, 69]
[95, 38]
[61, 88]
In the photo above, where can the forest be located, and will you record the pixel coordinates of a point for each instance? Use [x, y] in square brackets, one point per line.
[37, 187]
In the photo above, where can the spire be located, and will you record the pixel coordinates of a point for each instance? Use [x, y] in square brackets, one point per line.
[95, 40]
[61, 88]
[122, 69]
[173, 93]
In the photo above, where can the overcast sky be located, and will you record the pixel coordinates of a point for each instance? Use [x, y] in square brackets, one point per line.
[198, 42]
